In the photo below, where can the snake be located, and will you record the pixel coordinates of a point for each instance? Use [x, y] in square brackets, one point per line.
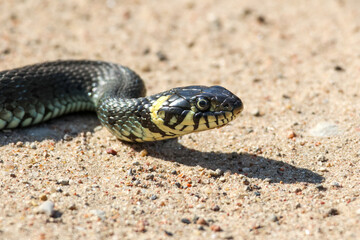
[36, 93]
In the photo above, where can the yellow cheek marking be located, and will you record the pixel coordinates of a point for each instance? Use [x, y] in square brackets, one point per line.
[228, 115]
[188, 129]
[212, 124]
[211, 118]
[173, 120]
[202, 120]
[158, 121]
[188, 120]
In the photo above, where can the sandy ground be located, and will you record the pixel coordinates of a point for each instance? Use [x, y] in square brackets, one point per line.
[287, 168]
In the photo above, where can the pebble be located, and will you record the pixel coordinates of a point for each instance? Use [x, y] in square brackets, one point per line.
[358, 212]
[72, 207]
[168, 233]
[274, 218]
[202, 221]
[111, 151]
[153, 197]
[161, 56]
[33, 146]
[67, 137]
[185, 220]
[98, 128]
[99, 213]
[130, 172]
[291, 135]
[143, 153]
[320, 187]
[19, 144]
[47, 208]
[43, 197]
[322, 158]
[216, 208]
[332, 212]
[325, 129]
[149, 177]
[64, 182]
[200, 206]
[256, 113]
[335, 184]
[215, 228]
[136, 163]
[217, 173]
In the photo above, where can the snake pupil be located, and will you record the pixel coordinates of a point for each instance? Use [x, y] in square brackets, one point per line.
[203, 104]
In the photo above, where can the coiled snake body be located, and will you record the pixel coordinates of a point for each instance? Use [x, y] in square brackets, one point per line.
[37, 93]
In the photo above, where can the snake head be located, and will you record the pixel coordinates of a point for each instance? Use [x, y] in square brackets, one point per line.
[195, 108]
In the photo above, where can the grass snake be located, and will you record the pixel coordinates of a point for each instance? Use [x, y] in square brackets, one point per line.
[36, 93]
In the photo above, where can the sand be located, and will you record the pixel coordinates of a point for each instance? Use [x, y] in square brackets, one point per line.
[287, 168]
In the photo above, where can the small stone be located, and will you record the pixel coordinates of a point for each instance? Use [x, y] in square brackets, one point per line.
[274, 218]
[153, 197]
[320, 187]
[43, 197]
[146, 68]
[185, 220]
[99, 213]
[269, 180]
[256, 113]
[143, 153]
[161, 56]
[177, 184]
[218, 172]
[215, 228]
[222, 179]
[291, 135]
[64, 182]
[174, 172]
[332, 212]
[325, 129]
[216, 208]
[202, 221]
[149, 177]
[358, 211]
[335, 184]
[12, 175]
[19, 144]
[321, 158]
[246, 182]
[339, 68]
[111, 151]
[168, 233]
[72, 207]
[47, 208]
[98, 128]
[33, 146]
[323, 169]
[246, 169]
[257, 194]
[136, 163]
[67, 137]
[130, 172]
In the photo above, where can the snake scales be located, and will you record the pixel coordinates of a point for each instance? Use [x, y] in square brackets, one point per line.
[37, 93]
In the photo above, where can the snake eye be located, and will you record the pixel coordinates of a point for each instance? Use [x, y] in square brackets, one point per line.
[202, 104]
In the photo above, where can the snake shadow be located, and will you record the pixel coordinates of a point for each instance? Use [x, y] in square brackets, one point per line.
[250, 165]
[54, 129]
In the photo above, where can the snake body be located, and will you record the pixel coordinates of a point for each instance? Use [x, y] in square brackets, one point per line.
[36, 93]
